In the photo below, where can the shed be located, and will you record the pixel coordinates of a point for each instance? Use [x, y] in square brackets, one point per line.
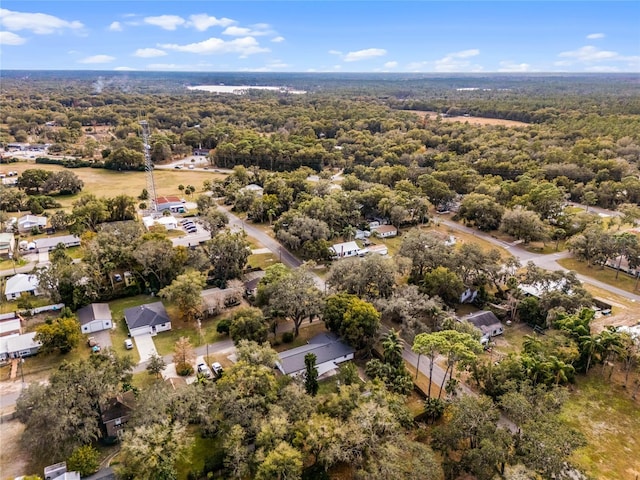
[328, 349]
[95, 317]
[20, 284]
[150, 318]
[487, 323]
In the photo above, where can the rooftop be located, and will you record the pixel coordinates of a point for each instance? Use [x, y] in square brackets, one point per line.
[325, 346]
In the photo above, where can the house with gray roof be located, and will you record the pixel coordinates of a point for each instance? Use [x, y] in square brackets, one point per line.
[95, 317]
[329, 350]
[149, 318]
[21, 284]
[487, 323]
[17, 346]
[50, 243]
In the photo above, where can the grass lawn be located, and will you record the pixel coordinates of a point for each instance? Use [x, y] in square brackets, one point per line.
[201, 449]
[306, 332]
[109, 183]
[262, 260]
[606, 275]
[610, 421]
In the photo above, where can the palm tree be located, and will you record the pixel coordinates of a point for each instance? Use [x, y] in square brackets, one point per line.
[560, 369]
[588, 347]
[393, 346]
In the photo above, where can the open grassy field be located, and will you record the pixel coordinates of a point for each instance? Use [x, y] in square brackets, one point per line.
[610, 422]
[471, 120]
[606, 275]
[109, 183]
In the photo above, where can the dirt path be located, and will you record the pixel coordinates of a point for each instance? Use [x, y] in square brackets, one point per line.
[13, 459]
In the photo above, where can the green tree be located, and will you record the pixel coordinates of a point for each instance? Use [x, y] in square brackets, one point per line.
[237, 454]
[444, 283]
[284, 462]
[481, 210]
[185, 291]
[248, 324]
[360, 324]
[85, 460]
[431, 345]
[61, 334]
[523, 225]
[228, 253]
[183, 353]
[156, 365]
[311, 374]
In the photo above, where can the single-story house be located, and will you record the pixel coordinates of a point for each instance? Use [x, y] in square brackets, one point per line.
[7, 243]
[48, 244]
[20, 284]
[10, 326]
[540, 288]
[150, 318]
[95, 317]
[487, 323]
[167, 221]
[116, 412]
[17, 346]
[253, 188]
[328, 349]
[251, 280]
[346, 249]
[385, 231]
[28, 222]
[216, 299]
[172, 203]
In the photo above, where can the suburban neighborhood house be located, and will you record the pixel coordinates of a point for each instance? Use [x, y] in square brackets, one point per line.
[346, 249]
[116, 412]
[20, 284]
[487, 323]
[147, 319]
[50, 243]
[17, 346]
[95, 317]
[28, 222]
[328, 349]
[7, 243]
[385, 231]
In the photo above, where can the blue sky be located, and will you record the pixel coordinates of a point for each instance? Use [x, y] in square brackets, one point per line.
[325, 36]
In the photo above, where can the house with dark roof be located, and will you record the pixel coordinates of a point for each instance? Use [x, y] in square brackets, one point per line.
[116, 411]
[95, 317]
[150, 318]
[487, 323]
[251, 280]
[329, 350]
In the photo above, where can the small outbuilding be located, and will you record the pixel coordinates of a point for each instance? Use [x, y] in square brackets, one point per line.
[147, 319]
[329, 350]
[95, 317]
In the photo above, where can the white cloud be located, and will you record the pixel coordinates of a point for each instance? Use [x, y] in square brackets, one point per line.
[115, 27]
[166, 22]
[364, 54]
[259, 30]
[124, 69]
[149, 53]
[390, 64]
[98, 59]
[244, 46]
[202, 21]
[508, 66]
[8, 38]
[589, 53]
[39, 23]
[335, 52]
[592, 58]
[595, 36]
[277, 39]
[457, 62]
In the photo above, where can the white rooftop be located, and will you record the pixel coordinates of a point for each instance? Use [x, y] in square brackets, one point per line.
[21, 283]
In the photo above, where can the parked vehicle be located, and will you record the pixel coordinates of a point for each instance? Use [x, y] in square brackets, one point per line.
[92, 342]
[217, 369]
[204, 370]
[128, 343]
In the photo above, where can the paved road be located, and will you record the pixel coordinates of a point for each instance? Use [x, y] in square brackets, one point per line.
[546, 261]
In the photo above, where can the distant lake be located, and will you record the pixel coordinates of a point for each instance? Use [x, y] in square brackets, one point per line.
[242, 89]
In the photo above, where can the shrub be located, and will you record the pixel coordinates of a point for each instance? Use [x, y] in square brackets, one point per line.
[223, 326]
[184, 369]
[287, 337]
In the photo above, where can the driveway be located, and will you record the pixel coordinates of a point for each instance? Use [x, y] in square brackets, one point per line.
[103, 338]
[146, 347]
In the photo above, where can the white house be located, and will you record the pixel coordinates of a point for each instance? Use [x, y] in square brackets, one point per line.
[20, 284]
[50, 243]
[7, 243]
[253, 188]
[10, 326]
[329, 350]
[385, 231]
[487, 323]
[346, 249]
[150, 318]
[17, 346]
[28, 222]
[95, 317]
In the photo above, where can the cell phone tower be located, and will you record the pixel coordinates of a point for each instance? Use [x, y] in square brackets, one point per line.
[148, 167]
